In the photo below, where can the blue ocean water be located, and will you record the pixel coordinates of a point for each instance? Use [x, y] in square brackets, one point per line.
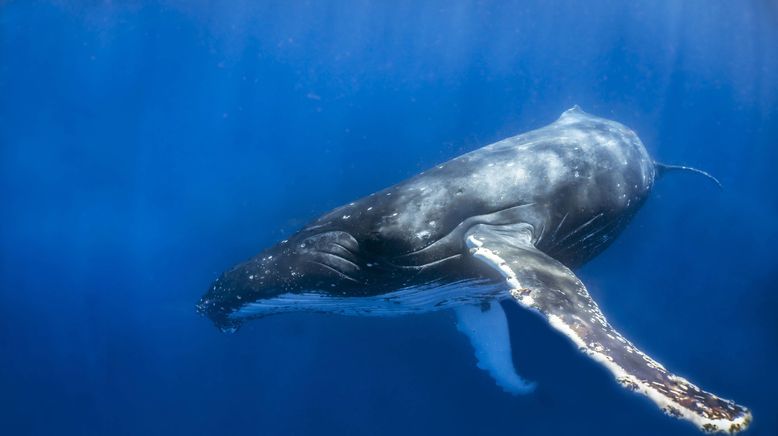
[147, 146]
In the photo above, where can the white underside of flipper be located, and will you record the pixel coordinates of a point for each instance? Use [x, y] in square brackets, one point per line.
[487, 328]
[538, 282]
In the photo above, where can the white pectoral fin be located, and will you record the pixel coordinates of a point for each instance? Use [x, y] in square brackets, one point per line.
[539, 282]
[487, 329]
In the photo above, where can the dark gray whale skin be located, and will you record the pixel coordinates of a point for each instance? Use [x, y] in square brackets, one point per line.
[505, 221]
[577, 182]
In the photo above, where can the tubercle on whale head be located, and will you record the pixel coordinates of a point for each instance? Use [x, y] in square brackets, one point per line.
[258, 278]
[216, 306]
[308, 261]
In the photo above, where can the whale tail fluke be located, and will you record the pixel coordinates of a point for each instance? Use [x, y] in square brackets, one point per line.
[662, 169]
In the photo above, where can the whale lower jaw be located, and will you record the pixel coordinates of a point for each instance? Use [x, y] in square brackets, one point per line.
[405, 301]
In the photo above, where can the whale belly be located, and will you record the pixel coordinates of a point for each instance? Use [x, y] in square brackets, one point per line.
[408, 300]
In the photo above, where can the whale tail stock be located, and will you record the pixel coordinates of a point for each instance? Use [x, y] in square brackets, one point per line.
[662, 169]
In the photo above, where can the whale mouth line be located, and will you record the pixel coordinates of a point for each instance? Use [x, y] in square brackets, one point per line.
[339, 273]
[348, 250]
[339, 257]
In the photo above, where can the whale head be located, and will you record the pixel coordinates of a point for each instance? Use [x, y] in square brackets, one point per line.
[254, 280]
[273, 281]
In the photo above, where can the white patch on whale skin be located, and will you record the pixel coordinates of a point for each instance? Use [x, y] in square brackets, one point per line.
[514, 170]
[553, 167]
[665, 403]
[424, 234]
[520, 175]
[479, 251]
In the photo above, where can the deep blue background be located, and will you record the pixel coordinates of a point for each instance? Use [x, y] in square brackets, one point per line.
[146, 146]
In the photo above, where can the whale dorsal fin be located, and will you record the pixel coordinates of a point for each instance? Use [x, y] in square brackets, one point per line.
[572, 114]
[539, 282]
[487, 329]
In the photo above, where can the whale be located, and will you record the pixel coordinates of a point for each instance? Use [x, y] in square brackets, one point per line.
[508, 222]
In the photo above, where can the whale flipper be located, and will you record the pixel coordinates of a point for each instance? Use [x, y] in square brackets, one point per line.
[539, 282]
[487, 329]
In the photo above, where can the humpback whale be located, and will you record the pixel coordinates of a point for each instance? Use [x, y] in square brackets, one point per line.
[509, 221]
